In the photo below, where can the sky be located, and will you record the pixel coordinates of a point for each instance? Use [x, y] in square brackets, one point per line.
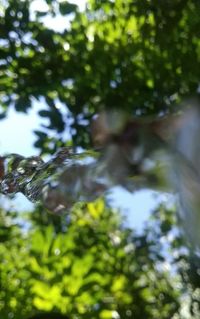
[16, 136]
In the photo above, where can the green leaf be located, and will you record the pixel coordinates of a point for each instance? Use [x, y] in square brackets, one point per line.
[67, 7]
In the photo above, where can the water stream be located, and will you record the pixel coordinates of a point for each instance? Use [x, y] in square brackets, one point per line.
[135, 155]
[69, 177]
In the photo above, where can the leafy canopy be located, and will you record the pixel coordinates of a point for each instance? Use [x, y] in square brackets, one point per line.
[94, 269]
[139, 56]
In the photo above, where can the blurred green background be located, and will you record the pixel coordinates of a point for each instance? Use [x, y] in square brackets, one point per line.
[139, 56]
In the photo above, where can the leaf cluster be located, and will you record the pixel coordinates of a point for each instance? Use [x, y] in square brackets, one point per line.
[95, 268]
[139, 56]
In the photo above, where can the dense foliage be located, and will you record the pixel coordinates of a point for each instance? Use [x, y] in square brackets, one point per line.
[93, 268]
[139, 56]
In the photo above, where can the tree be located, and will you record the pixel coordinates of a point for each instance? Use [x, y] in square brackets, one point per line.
[152, 49]
[95, 268]
[140, 57]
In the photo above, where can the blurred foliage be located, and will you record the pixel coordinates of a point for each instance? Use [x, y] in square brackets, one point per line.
[139, 56]
[96, 268]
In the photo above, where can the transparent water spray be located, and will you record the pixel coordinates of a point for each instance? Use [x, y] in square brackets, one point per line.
[131, 153]
[58, 183]
[70, 177]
